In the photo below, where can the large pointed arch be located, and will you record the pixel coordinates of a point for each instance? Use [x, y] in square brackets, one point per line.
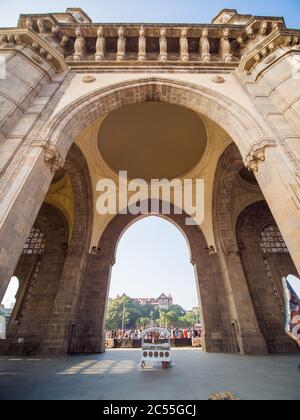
[217, 337]
[244, 129]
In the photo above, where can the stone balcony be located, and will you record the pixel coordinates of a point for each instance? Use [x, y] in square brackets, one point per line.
[72, 40]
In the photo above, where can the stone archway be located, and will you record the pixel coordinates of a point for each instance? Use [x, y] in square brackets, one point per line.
[57, 132]
[239, 309]
[243, 127]
[72, 288]
[208, 277]
[39, 270]
[265, 260]
[260, 149]
[63, 278]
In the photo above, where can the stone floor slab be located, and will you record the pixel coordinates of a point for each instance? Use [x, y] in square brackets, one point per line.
[117, 375]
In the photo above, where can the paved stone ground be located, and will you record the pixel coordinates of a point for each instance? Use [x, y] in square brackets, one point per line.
[117, 375]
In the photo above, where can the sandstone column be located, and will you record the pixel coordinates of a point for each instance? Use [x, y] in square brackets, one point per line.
[20, 200]
[64, 317]
[281, 188]
[216, 336]
[241, 310]
[90, 335]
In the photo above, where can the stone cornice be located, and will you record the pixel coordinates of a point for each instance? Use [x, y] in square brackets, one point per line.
[152, 66]
[14, 38]
[72, 40]
[220, 43]
[265, 51]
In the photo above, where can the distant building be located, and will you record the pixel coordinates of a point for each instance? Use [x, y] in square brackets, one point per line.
[162, 302]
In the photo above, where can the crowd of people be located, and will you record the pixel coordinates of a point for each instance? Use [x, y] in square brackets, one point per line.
[176, 333]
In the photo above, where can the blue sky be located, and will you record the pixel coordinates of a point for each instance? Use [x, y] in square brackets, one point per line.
[153, 257]
[191, 11]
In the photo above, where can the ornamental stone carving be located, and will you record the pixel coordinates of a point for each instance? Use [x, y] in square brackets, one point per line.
[10, 41]
[54, 31]
[218, 79]
[29, 24]
[79, 46]
[49, 57]
[18, 39]
[100, 45]
[215, 41]
[35, 46]
[271, 46]
[263, 28]
[288, 41]
[88, 78]
[184, 46]
[41, 25]
[142, 44]
[37, 59]
[163, 45]
[257, 58]
[241, 42]
[257, 154]
[225, 47]
[7, 41]
[3, 40]
[252, 166]
[52, 157]
[43, 52]
[205, 47]
[250, 32]
[121, 48]
[64, 41]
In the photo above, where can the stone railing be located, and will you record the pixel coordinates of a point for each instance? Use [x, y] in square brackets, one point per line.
[227, 46]
[94, 44]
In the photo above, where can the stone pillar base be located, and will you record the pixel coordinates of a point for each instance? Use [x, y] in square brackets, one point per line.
[4, 345]
[87, 346]
[212, 344]
[253, 345]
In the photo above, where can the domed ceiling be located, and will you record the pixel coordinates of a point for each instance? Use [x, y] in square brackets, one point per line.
[152, 140]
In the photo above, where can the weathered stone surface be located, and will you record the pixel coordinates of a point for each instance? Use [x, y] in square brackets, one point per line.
[251, 119]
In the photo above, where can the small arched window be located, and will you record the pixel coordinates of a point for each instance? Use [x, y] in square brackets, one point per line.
[271, 241]
[35, 243]
[9, 299]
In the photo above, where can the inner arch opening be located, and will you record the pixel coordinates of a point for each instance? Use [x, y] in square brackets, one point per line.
[154, 270]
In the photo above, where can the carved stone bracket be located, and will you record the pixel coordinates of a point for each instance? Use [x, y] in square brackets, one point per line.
[257, 154]
[53, 157]
[42, 49]
[211, 250]
[264, 51]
